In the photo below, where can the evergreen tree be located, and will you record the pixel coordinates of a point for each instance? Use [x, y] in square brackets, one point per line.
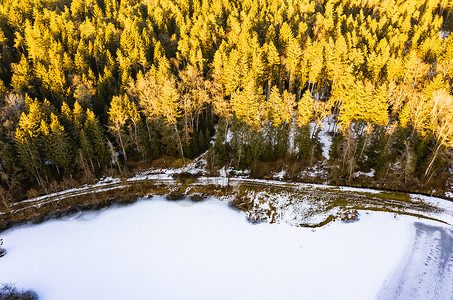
[118, 118]
[22, 80]
[305, 109]
[60, 151]
[28, 142]
[97, 139]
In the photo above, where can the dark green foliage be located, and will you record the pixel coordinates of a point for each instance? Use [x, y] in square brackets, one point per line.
[61, 151]
[30, 157]
[308, 144]
[97, 140]
[277, 143]
[217, 155]
[378, 153]
[335, 148]
[152, 140]
[423, 146]
[87, 150]
[220, 150]
[207, 137]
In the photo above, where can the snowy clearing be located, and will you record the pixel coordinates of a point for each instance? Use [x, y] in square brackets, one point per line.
[158, 249]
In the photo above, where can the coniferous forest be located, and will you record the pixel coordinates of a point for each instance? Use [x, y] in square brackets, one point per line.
[90, 88]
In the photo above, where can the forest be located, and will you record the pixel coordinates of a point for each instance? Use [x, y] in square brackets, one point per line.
[91, 88]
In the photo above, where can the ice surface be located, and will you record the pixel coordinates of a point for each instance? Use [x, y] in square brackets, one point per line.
[427, 271]
[156, 249]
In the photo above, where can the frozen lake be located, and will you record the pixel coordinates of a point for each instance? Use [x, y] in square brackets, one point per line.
[156, 249]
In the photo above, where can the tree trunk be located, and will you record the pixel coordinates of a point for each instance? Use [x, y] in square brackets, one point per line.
[179, 141]
[364, 144]
[37, 176]
[268, 89]
[122, 145]
[92, 166]
[147, 129]
[137, 143]
[436, 153]
[290, 83]
[347, 149]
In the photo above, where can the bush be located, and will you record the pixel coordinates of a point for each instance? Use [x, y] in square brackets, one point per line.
[350, 215]
[10, 292]
[32, 193]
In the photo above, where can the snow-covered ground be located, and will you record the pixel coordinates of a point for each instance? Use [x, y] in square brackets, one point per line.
[325, 137]
[156, 249]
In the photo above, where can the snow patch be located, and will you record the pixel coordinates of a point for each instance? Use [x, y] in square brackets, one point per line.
[284, 207]
[229, 136]
[359, 190]
[316, 171]
[445, 207]
[327, 127]
[291, 137]
[369, 174]
[280, 175]
[443, 34]
[85, 188]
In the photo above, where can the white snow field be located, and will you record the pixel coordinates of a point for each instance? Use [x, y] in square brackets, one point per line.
[157, 249]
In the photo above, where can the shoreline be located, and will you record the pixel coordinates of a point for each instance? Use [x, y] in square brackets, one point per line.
[178, 185]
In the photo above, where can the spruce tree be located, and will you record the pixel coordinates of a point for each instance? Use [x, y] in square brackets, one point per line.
[60, 148]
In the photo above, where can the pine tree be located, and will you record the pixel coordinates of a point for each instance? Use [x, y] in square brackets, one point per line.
[293, 52]
[271, 60]
[85, 153]
[248, 106]
[60, 148]
[135, 118]
[441, 120]
[194, 93]
[97, 139]
[118, 117]
[27, 137]
[280, 107]
[22, 76]
[305, 109]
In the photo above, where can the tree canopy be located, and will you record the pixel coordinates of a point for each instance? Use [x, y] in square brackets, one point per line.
[139, 79]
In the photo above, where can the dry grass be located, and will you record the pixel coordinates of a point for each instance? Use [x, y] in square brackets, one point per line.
[10, 292]
[32, 193]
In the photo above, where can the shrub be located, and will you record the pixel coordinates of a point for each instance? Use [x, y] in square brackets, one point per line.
[32, 193]
[350, 215]
[10, 292]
